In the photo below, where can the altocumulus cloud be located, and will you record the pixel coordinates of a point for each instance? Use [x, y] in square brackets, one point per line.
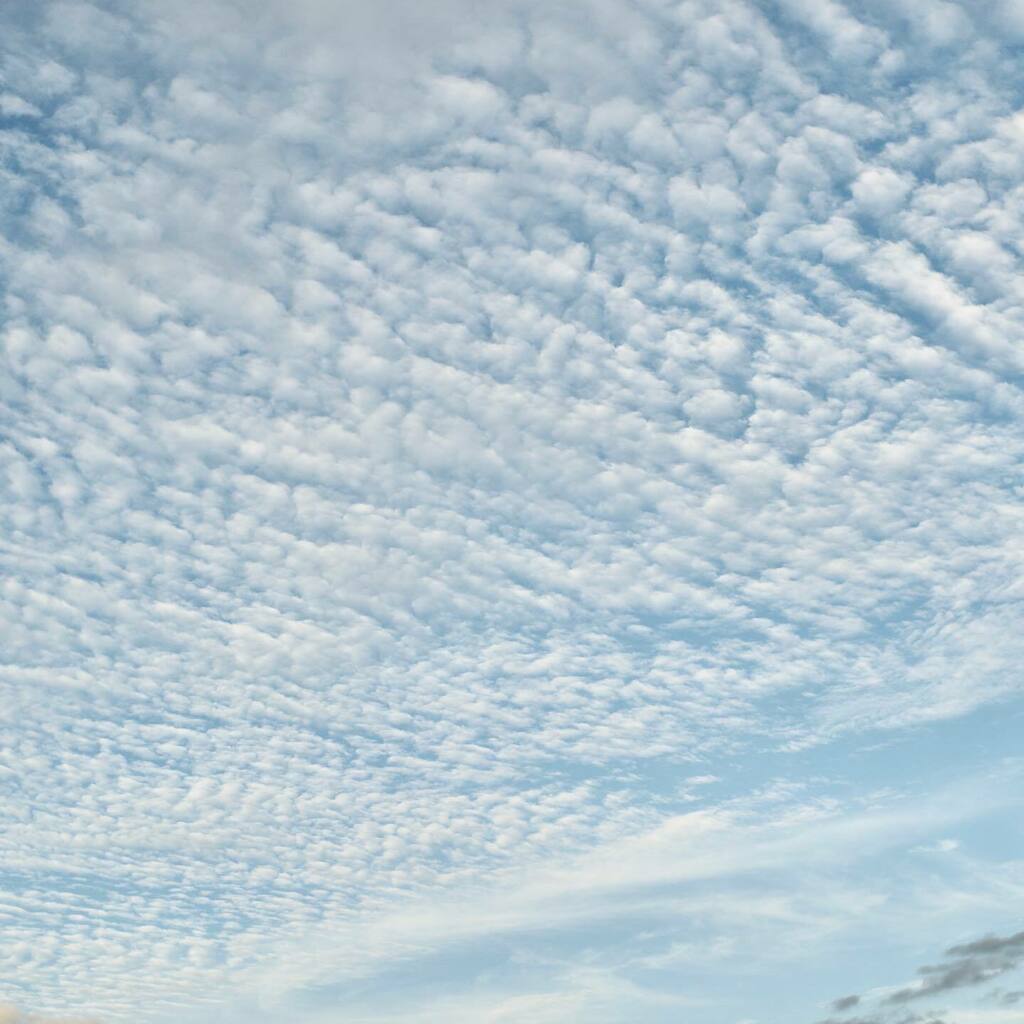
[478, 475]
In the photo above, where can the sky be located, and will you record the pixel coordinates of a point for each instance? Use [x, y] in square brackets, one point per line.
[511, 512]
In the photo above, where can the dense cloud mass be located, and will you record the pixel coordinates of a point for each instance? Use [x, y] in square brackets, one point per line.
[439, 446]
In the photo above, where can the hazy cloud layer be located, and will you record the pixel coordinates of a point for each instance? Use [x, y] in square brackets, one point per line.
[12, 1015]
[451, 451]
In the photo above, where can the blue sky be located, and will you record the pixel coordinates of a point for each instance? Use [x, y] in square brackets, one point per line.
[511, 513]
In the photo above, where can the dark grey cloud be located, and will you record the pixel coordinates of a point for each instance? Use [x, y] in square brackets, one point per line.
[993, 944]
[884, 1018]
[964, 965]
[845, 1003]
[972, 963]
[1008, 998]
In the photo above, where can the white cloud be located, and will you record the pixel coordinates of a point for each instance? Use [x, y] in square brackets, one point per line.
[435, 441]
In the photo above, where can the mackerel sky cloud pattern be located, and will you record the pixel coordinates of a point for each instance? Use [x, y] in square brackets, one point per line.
[510, 513]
